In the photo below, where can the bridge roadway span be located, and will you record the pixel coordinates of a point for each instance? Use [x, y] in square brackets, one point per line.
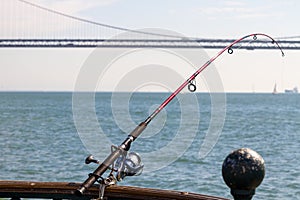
[149, 43]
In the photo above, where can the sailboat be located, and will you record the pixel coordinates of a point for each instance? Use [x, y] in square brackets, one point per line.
[275, 89]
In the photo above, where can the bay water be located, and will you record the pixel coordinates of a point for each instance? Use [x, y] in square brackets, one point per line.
[39, 140]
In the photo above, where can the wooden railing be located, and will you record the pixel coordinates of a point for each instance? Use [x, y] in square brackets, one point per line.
[64, 190]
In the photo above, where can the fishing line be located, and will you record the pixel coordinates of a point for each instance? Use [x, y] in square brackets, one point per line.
[254, 38]
[247, 44]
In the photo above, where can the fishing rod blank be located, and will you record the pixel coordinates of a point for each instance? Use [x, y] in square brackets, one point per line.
[125, 146]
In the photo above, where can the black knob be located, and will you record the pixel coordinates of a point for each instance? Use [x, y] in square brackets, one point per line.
[243, 170]
[91, 159]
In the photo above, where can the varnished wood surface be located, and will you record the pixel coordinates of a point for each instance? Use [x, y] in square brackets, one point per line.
[65, 190]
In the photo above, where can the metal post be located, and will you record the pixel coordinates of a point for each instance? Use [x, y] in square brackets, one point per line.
[243, 170]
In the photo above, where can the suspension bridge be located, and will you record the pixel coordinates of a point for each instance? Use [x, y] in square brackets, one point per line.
[28, 25]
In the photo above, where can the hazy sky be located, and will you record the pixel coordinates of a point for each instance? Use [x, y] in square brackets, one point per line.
[246, 71]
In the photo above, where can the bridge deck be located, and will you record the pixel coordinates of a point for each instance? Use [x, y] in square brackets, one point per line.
[136, 43]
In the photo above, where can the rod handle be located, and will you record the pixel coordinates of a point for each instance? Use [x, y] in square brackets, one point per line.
[138, 130]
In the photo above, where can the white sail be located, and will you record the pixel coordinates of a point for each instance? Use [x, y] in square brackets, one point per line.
[275, 89]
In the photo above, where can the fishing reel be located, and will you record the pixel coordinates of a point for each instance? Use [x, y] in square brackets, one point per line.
[127, 164]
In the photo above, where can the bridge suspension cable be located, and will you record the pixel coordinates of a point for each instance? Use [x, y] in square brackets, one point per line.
[102, 24]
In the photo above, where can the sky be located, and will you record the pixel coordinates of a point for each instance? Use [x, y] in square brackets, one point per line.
[59, 69]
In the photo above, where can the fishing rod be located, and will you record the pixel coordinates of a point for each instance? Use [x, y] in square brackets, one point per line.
[121, 150]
